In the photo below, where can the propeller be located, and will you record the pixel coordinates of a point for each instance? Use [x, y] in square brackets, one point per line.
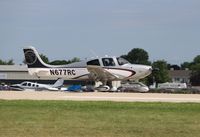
[155, 69]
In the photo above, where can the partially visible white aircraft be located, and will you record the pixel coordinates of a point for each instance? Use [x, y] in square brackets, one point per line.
[104, 69]
[37, 86]
[172, 85]
[134, 86]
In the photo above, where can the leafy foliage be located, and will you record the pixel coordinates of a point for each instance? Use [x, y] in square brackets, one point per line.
[196, 59]
[195, 75]
[9, 62]
[137, 56]
[58, 62]
[63, 62]
[174, 66]
[160, 76]
[44, 58]
[186, 65]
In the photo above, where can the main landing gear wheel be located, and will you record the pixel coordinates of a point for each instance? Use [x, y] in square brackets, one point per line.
[103, 88]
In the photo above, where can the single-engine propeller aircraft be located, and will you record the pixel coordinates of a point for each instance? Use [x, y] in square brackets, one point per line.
[103, 69]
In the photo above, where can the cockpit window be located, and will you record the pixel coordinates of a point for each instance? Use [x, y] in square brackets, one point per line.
[108, 62]
[94, 62]
[24, 84]
[29, 84]
[122, 61]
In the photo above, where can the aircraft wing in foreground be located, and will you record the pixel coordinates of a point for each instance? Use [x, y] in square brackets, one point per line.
[101, 74]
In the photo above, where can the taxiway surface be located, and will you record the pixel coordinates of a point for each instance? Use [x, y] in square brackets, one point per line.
[99, 96]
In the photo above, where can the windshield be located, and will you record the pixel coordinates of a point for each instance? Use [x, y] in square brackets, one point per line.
[122, 61]
[94, 62]
[108, 62]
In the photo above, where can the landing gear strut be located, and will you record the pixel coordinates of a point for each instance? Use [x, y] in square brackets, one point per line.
[107, 86]
[103, 88]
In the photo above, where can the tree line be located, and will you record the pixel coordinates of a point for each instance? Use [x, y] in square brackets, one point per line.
[9, 62]
[58, 62]
[140, 56]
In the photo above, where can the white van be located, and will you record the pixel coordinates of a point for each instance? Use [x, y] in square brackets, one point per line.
[168, 85]
[134, 86]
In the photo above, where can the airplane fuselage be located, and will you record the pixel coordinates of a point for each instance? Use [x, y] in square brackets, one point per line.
[122, 73]
[97, 69]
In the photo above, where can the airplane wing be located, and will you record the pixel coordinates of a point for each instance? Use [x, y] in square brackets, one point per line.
[52, 89]
[58, 83]
[100, 74]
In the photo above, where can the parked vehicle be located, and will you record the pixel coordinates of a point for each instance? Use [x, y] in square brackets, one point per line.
[169, 85]
[133, 86]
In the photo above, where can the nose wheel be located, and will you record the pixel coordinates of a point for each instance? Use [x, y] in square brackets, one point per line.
[107, 86]
[103, 88]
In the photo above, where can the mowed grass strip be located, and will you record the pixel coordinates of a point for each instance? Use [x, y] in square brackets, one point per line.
[98, 119]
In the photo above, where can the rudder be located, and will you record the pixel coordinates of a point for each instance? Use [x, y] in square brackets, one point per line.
[32, 58]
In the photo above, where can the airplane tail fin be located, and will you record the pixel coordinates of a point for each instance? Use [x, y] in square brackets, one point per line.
[32, 58]
[58, 83]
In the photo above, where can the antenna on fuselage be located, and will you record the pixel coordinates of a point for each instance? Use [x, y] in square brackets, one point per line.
[94, 53]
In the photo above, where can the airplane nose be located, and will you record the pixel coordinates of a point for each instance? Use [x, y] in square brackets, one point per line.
[149, 70]
[153, 69]
[141, 71]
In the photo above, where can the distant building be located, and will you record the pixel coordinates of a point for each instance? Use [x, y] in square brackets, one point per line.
[180, 76]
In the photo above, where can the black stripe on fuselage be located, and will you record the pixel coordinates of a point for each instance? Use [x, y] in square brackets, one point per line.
[81, 76]
[133, 72]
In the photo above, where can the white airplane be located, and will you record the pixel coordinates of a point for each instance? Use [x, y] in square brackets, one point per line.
[37, 86]
[134, 86]
[104, 69]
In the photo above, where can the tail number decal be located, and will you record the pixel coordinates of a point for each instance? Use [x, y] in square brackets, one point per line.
[69, 72]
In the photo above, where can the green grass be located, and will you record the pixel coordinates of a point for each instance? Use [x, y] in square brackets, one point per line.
[98, 119]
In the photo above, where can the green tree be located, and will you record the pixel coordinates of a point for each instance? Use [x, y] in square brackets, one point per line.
[161, 75]
[174, 66]
[58, 62]
[75, 59]
[63, 62]
[9, 62]
[44, 58]
[196, 60]
[185, 65]
[195, 75]
[137, 56]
